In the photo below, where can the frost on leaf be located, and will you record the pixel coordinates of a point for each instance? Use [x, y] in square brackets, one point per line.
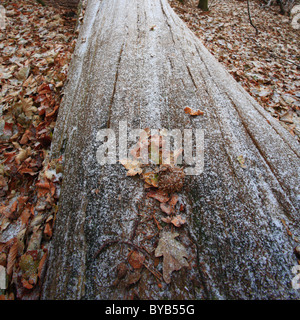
[178, 221]
[174, 254]
[133, 167]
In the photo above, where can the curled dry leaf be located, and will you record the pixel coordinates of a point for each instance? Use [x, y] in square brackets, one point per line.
[42, 264]
[241, 160]
[12, 255]
[192, 112]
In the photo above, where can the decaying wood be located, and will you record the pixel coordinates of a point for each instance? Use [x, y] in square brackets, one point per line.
[136, 60]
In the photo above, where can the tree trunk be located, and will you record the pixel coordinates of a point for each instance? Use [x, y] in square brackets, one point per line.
[203, 4]
[135, 60]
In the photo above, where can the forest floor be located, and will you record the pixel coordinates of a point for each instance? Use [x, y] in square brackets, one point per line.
[266, 64]
[35, 50]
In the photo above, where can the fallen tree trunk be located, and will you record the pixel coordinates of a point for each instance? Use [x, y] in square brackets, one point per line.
[136, 60]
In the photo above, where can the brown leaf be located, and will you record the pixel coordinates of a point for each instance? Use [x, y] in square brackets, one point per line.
[167, 219]
[166, 208]
[174, 254]
[133, 278]
[42, 264]
[159, 195]
[178, 221]
[12, 255]
[121, 270]
[173, 200]
[136, 259]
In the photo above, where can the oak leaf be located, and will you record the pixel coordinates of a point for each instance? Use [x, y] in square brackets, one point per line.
[174, 254]
[133, 166]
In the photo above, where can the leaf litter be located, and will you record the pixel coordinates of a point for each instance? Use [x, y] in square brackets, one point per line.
[36, 47]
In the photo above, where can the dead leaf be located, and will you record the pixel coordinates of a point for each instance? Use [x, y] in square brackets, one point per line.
[133, 166]
[133, 278]
[151, 178]
[136, 259]
[167, 219]
[173, 252]
[121, 270]
[42, 264]
[174, 200]
[178, 221]
[241, 160]
[192, 112]
[159, 195]
[23, 73]
[22, 155]
[166, 208]
[12, 255]
[287, 117]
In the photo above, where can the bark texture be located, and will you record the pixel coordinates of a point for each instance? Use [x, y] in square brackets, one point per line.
[136, 60]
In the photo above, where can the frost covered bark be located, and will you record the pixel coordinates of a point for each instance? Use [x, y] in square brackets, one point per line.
[136, 60]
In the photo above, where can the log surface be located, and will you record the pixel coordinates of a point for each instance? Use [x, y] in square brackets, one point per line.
[136, 60]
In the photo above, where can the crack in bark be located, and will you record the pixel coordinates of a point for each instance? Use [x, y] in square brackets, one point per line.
[115, 85]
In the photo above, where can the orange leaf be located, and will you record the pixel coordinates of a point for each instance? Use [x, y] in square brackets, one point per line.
[136, 259]
[173, 200]
[26, 284]
[48, 230]
[192, 112]
[178, 221]
[42, 264]
[12, 255]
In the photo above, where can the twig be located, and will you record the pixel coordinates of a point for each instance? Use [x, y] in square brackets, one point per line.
[249, 14]
[156, 273]
[111, 242]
